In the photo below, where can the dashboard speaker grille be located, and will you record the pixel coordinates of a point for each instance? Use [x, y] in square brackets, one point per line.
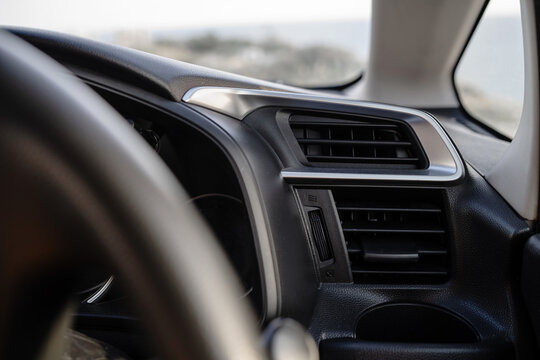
[394, 235]
[365, 141]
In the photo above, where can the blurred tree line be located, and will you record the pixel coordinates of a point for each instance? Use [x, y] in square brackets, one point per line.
[269, 59]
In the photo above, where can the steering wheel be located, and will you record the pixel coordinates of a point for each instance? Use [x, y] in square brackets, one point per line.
[79, 187]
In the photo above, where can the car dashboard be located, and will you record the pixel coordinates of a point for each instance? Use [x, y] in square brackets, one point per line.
[362, 221]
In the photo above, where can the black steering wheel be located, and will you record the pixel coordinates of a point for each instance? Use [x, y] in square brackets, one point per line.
[78, 186]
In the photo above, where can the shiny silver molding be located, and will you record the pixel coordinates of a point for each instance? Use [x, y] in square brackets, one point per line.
[101, 291]
[444, 161]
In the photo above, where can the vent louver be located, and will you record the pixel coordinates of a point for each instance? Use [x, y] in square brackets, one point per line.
[366, 142]
[394, 235]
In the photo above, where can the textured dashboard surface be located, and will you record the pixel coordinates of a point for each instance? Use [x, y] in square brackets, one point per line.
[483, 288]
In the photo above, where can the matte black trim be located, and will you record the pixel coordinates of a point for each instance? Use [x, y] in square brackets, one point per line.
[187, 117]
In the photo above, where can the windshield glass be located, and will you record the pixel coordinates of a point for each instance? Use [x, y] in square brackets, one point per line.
[490, 77]
[301, 42]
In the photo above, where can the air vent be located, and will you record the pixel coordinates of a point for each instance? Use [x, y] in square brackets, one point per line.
[368, 142]
[394, 235]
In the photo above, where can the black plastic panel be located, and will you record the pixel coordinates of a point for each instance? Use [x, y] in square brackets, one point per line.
[337, 269]
[530, 281]
[209, 179]
[483, 289]
[413, 323]
[349, 349]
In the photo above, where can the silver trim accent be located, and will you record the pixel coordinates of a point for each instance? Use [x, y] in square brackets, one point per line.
[444, 162]
[102, 291]
[290, 174]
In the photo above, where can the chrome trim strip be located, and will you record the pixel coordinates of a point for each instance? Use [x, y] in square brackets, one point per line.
[444, 161]
[102, 291]
[291, 174]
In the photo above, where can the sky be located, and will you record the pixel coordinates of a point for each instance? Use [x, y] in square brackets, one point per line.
[79, 17]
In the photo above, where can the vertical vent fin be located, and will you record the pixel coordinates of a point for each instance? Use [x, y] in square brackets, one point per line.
[320, 236]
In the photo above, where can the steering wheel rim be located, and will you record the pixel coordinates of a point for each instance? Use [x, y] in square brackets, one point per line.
[79, 185]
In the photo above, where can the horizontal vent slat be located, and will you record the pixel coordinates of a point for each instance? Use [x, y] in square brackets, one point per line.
[390, 209]
[361, 158]
[426, 252]
[433, 252]
[347, 124]
[401, 272]
[308, 141]
[393, 230]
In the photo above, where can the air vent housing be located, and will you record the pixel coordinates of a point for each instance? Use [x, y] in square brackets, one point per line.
[394, 235]
[357, 141]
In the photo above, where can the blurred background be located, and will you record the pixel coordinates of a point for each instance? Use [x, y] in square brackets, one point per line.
[303, 43]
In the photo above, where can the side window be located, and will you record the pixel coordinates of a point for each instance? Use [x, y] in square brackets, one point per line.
[489, 78]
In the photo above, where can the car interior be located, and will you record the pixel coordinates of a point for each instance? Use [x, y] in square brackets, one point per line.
[157, 209]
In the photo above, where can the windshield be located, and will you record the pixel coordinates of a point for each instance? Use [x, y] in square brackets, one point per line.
[304, 43]
[490, 77]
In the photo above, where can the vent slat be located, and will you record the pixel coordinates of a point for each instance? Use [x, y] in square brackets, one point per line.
[353, 142]
[373, 159]
[390, 209]
[427, 252]
[401, 272]
[433, 252]
[393, 230]
[343, 124]
[372, 142]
